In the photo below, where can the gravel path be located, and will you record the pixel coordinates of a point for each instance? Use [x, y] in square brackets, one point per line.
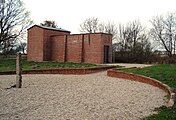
[77, 97]
[129, 65]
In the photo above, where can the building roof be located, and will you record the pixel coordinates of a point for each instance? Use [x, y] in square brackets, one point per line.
[49, 28]
[91, 33]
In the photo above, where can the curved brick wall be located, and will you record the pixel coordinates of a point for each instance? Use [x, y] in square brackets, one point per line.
[144, 79]
[76, 71]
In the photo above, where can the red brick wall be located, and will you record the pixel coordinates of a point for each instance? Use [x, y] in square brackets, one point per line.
[74, 48]
[92, 46]
[46, 45]
[58, 48]
[35, 44]
[47, 42]
[92, 51]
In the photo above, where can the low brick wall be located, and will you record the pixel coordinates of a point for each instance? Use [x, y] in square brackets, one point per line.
[76, 71]
[144, 79]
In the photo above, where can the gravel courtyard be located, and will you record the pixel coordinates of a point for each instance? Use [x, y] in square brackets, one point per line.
[77, 97]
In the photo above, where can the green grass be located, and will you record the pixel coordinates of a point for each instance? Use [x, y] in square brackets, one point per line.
[164, 114]
[165, 73]
[9, 65]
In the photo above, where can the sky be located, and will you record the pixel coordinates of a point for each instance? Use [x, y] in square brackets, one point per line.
[69, 14]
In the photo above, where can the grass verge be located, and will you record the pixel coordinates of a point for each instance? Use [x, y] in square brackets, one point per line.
[9, 65]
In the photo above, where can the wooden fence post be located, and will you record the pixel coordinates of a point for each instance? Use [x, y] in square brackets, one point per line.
[18, 71]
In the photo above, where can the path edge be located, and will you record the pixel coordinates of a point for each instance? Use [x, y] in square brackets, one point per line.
[147, 80]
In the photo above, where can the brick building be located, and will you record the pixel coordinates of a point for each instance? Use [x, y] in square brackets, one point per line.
[53, 44]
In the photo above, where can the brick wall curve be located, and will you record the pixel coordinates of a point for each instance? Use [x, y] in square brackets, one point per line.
[144, 79]
[76, 71]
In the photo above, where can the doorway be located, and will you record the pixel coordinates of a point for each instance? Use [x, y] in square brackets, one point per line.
[106, 54]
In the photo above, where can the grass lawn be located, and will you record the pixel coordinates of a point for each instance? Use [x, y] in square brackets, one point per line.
[9, 65]
[165, 73]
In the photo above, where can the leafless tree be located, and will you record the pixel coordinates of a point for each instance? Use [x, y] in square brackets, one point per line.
[109, 28]
[21, 47]
[14, 20]
[49, 23]
[164, 32]
[93, 25]
[133, 42]
[130, 34]
[90, 25]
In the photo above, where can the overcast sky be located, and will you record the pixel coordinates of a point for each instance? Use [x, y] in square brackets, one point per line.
[68, 14]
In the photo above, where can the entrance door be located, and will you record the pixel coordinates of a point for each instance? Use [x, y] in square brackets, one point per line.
[106, 54]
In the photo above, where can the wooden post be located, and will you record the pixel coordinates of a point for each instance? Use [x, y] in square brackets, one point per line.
[18, 71]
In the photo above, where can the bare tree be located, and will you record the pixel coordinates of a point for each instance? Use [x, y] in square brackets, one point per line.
[49, 23]
[133, 42]
[90, 25]
[109, 28]
[21, 47]
[93, 25]
[130, 38]
[130, 34]
[14, 20]
[164, 32]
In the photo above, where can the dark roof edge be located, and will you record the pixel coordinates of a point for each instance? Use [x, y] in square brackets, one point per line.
[91, 33]
[82, 34]
[49, 28]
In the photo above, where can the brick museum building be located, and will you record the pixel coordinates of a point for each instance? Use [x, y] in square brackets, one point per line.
[55, 44]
